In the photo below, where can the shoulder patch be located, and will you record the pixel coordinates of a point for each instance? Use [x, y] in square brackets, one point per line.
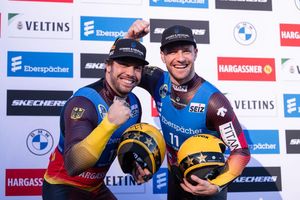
[77, 113]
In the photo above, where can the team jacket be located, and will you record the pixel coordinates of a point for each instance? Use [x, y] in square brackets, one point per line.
[203, 109]
[86, 109]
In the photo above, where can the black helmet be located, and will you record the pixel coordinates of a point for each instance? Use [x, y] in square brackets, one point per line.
[201, 155]
[142, 143]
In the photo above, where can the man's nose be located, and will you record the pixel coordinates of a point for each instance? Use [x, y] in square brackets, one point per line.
[179, 55]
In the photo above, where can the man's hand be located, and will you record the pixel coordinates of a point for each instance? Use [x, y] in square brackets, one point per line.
[138, 29]
[203, 187]
[141, 175]
[118, 112]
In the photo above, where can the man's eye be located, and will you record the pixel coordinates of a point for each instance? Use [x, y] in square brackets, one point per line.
[170, 52]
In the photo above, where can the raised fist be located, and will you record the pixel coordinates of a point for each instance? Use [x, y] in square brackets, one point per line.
[118, 112]
[138, 29]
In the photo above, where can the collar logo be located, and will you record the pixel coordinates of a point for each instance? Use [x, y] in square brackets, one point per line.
[102, 110]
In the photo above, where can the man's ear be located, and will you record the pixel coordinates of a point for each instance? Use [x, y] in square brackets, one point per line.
[196, 53]
[108, 68]
[162, 55]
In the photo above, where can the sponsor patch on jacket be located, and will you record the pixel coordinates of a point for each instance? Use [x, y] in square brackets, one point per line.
[229, 136]
[197, 107]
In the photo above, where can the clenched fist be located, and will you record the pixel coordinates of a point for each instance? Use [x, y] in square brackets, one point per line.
[118, 112]
[138, 29]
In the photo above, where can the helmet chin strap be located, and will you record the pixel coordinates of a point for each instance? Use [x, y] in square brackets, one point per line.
[139, 160]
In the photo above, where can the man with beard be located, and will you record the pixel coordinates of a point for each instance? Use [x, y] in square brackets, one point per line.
[91, 124]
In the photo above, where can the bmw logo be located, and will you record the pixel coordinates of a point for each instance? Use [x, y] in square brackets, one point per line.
[39, 142]
[244, 33]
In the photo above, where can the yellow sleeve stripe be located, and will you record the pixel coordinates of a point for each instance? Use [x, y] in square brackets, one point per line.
[223, 179]
[95, 143]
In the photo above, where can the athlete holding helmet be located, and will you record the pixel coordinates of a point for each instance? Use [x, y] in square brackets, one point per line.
[190, 105]
[91, 124]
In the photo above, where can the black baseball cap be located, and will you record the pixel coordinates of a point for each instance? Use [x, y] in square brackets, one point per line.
[128, 48]
[177, 33]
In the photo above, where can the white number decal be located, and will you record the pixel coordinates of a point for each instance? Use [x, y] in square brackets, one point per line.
[174, 139]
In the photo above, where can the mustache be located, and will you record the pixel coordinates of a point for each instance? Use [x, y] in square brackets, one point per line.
[133, 78]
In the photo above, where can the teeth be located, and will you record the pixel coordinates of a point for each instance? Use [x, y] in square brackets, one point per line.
[179, 66]
[128, 81]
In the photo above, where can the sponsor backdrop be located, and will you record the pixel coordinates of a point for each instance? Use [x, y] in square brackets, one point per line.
[248, 48]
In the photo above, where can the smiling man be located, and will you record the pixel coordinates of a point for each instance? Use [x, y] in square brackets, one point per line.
[189, 105]
[91, 125]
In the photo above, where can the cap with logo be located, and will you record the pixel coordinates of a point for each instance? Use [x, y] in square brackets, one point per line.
[177, 33]
[123, 48]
